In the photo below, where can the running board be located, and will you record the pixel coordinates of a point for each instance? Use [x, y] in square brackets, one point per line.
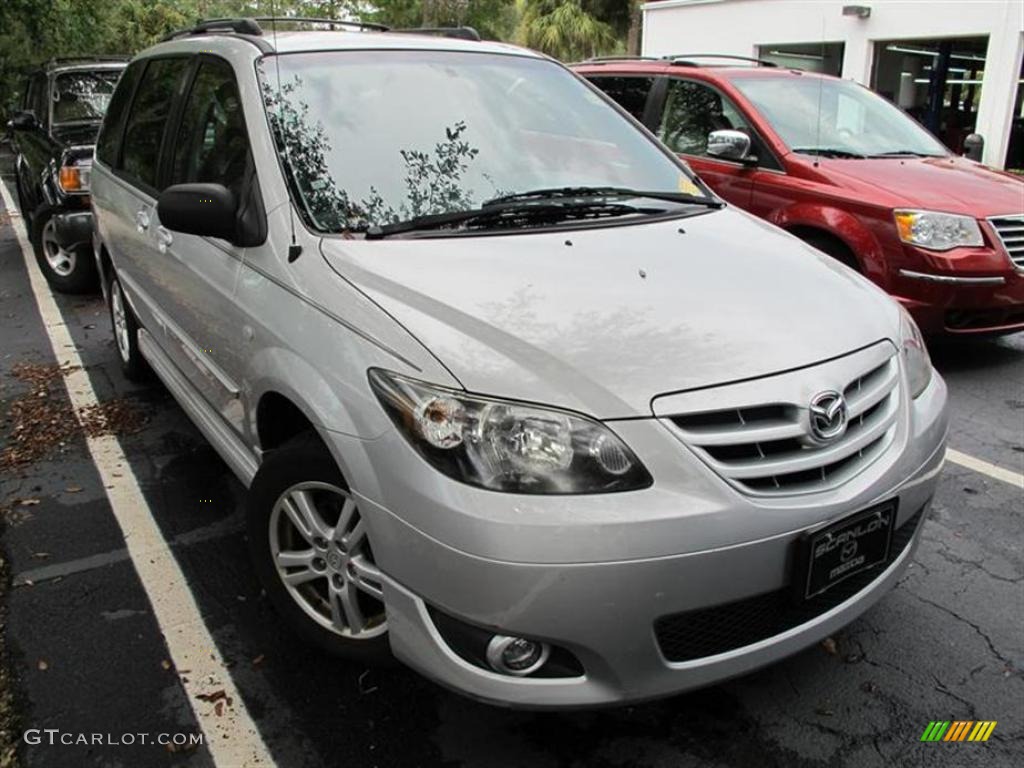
[241, 461]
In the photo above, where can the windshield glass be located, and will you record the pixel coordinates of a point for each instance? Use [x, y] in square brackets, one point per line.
[851, 120]
[378, 137]
[83, 95]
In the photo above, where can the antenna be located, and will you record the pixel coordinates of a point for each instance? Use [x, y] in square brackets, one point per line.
[294, 250]
[821, 88]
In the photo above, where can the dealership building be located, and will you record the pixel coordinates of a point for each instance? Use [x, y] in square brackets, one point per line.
[955, 65]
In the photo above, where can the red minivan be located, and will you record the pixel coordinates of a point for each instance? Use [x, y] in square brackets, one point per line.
[844, 169]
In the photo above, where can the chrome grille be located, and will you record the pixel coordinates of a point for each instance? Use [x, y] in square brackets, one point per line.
[1011, 234]
[768, 450]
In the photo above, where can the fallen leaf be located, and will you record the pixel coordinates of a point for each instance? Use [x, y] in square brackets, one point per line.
[829, 644]
[165, 664]
[73, 489]
[42, 665]
[218, 708]
[29, 502]
[40, 555]
[212, 697]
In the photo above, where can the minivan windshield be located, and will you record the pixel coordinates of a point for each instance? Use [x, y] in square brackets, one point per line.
[374, 138]
[821, 115]
[83, 95]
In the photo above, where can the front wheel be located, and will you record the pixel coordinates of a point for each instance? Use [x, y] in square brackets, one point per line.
[311, 550]
[67, 269]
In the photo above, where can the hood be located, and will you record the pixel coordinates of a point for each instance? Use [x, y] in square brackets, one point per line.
[949, 184]
[76, 134]
[604, 320]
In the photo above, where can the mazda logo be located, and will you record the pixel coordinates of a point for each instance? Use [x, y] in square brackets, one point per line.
[828, 416]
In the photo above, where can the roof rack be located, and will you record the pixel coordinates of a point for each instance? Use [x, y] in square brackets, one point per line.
[330, 22]
[252, 27]
[610, 59]
[459, 33]
[686, 59]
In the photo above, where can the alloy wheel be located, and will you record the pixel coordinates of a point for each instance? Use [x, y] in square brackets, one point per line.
[60, 259]
[322, 555]
[120, 322]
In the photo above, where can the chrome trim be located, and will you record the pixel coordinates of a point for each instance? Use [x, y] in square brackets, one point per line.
[1011, 224]
[950, 280]
[757, 435]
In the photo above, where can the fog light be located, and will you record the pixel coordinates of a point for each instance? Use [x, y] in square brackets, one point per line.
[516, 655]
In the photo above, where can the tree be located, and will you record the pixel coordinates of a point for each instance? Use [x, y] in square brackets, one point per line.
[564, 29]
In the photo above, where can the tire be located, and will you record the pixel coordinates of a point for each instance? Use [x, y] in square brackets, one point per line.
[835, 248]
[66, 270]
[126, 334]
[334, 601]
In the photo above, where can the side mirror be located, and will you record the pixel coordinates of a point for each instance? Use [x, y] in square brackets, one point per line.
[207, 210]
[22, 121]
[730, 145]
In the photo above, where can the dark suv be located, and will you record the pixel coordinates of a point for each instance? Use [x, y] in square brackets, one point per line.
[53, 135]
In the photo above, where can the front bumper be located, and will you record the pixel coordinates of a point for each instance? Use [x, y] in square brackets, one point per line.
[500, 568]
[978, 292]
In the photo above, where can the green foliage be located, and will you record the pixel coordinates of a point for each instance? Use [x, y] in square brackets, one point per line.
[33, 31]
[565, 29]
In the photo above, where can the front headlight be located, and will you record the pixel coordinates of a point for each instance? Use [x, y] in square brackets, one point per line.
[74, 178]
[938, 231]
[507, 446]
[915, 355]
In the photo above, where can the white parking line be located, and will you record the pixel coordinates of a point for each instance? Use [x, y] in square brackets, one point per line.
[231, 737]
[985, 468]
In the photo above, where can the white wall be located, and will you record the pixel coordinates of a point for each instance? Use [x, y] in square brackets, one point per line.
[738, 27]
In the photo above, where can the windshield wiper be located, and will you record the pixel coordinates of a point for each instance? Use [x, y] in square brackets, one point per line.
[904, 153]
[509, 215]
[575, 193]
[829, 152]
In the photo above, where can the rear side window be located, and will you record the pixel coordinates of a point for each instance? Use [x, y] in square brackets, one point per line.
[117, 110]
[143, 135]
[629, 92]
[212, 145]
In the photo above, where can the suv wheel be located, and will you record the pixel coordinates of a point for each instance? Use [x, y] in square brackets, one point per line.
[311, 550]
[126, 334]
[68, 270]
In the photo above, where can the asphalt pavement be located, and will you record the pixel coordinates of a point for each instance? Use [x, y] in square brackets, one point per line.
[87, 654]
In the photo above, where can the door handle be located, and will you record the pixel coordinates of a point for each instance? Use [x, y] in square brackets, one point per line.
[163, 239]
[141, 221]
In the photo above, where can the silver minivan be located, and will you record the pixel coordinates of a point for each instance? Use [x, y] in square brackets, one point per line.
[516, 397]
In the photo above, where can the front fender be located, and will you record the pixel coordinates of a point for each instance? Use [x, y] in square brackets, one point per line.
[841, 224]
[279, 370]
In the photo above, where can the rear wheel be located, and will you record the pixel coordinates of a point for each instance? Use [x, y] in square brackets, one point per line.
[68, 270]
[311, 549]
[126, 334]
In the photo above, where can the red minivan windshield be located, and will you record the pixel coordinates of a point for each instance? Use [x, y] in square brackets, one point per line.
[837, 118]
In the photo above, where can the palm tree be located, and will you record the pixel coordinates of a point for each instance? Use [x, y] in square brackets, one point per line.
[563, 29]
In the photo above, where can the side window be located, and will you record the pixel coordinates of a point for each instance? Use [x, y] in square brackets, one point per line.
[629, 92]
[212, 145]
[117, 110]
[692, 111]
[37, 101]
[149, 114]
